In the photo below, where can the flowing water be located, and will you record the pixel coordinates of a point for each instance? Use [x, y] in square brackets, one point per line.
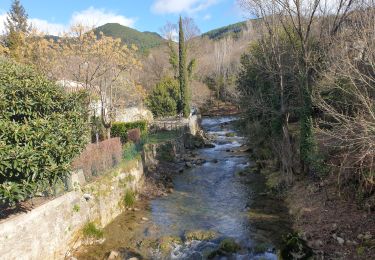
[216, 196]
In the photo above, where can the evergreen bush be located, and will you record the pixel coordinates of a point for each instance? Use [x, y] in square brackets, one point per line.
[42, 128]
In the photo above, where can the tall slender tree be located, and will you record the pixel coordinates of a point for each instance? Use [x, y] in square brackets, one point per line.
[183, 73]
[17, 27]
[17, 19]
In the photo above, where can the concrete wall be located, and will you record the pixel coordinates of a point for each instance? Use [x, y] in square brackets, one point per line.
[51, 230]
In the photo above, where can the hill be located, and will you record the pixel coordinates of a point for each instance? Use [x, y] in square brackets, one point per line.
[143, 40]
[233, 30]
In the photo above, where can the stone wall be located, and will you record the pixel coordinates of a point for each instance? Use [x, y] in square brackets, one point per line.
[131, 114]
[51, 230]
[178, 145]
[193, 123]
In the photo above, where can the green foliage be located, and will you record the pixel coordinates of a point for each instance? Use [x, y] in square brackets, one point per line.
[76, 208]
[191, 67]
[293, 245]
[42, 129]
[233, 30]
[129, 198]
[91, 231]
[17, 19]
[143, 40]
[130, 151]
[163, 136]
[120, 129]
[173, 58]
[254, 83]
[163, 100]
[165, 152]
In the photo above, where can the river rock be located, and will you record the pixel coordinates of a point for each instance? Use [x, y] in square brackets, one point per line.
[200, 161]
[316, 243]
[113, 255]
[367, 236]
[334, 227]
[209, 145]
[340, 240]
[229, 245]
[200, 235]
[87, 196]
[167, 242]
[189, 164]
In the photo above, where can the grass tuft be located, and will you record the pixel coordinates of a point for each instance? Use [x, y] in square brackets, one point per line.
[129, 198]
[91, 231]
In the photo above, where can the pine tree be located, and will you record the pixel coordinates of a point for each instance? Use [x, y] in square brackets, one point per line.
[17, 19]
[183, 74]
[17, 27]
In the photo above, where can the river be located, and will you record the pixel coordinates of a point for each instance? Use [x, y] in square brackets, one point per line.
[221, 196]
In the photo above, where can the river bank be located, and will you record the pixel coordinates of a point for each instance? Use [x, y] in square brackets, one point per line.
[335, 227]
[216, 208]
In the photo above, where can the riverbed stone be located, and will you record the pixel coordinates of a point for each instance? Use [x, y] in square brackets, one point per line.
[166, 243]
[200, 235]
[113, 255]
[340, 240]
[189, 164]
[229, 245]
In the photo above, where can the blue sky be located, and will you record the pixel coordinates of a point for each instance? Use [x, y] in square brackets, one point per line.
[145, 15]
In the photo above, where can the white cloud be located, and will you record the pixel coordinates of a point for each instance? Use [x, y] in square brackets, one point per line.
[96, 17]
[47, 27]
[207, 17]
[2, 21]
[179, 6]
[89, 17]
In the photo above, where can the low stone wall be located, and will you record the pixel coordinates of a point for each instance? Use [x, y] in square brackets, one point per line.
[192, 123]
[51, 230]
[177, 146]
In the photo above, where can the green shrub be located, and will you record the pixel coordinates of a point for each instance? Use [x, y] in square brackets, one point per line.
[130, 151]
[42, 128]
[129, 198]
[165, 152]
[91, 231]
[164, 98]
[120, 129]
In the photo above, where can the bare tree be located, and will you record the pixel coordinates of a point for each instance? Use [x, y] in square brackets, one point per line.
[346, 94]
[306, 24]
